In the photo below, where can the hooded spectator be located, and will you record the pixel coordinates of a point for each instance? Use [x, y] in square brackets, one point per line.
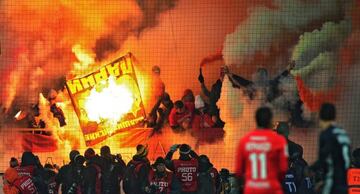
[70, 176]
[50, 179]
[188, 96]
[137, 172]
[209, 180]
[112, 171]
[92, 172]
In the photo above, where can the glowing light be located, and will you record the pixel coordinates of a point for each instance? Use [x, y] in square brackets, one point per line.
[18, 115]
[110, 103]
[85, 58]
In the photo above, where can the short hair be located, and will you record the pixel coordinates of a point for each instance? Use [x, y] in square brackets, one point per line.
[356, 153]
[264, 117]
[327, 112]
[179, 104]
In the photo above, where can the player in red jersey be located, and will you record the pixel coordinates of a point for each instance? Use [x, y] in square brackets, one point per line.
[262, 158]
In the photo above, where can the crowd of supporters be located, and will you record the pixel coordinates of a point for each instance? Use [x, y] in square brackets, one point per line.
[263, 165]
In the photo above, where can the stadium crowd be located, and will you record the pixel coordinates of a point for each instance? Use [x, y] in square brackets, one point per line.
[267, 161]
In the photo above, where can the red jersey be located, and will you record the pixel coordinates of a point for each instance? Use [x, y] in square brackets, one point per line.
[262, 159]
[25, 170]
[186, 172]
[163, 184]
[25, 185]
[174, 117]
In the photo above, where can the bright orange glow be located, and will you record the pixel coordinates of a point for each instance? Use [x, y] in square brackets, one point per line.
[109, 103]
[84, 57]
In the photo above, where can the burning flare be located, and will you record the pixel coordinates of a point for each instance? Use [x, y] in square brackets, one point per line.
[111, 102]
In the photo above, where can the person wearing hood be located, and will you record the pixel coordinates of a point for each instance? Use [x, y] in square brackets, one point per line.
[209, 180]
[92, 172]
[160, 180]
[112, 171]
[31, 166]
[70, 176]
[185, 168]
[137, 172]
[15, 184]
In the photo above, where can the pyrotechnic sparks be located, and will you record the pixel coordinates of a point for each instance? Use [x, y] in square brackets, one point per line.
[109, 103]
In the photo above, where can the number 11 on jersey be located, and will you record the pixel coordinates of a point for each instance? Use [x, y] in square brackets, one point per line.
[256, 169]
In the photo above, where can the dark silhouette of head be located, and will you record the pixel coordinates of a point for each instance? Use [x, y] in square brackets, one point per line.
[72, 155]
[264, 118]
[89, 153]
[327, 112]
[105, 151]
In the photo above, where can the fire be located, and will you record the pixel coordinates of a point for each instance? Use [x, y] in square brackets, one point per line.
[84, 57]
[109, 103]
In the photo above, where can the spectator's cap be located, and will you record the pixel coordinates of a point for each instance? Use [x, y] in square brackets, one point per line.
[14, 162]
[89, 153]
[105, 151]
[199, 102]
[155, 69]
[72, 155]
[159, 160]
[141, 150]
[283, 128]
[184, 149]
[11, 175]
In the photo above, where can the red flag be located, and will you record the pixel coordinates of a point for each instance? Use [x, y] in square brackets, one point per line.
[38, 143]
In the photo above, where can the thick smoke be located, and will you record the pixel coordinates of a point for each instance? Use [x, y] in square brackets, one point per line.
[37, 51]
[267, 28]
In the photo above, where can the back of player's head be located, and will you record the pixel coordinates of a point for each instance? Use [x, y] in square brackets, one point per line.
[356, 153]
[327, 112]
[264, 117]
[179, 104]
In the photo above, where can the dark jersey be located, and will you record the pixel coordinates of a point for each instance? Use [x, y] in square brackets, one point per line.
[289, 184]
[334, 158]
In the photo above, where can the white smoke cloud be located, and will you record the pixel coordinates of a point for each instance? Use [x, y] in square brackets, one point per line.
[266, 27]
